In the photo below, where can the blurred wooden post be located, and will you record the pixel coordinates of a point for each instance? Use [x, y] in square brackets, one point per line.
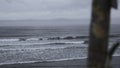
[99, 30]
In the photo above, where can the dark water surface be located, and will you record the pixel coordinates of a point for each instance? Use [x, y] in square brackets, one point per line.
[32, 44]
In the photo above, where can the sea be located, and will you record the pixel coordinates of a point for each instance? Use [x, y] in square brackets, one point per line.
[28, 44]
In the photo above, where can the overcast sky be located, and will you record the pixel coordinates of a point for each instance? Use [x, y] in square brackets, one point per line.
[47, 9]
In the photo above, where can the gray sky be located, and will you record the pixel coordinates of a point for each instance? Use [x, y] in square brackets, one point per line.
[47, 9]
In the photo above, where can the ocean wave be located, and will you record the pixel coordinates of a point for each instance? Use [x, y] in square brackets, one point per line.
[63, 43]
[19, 39]
[68, 59]
[68, 38]
[114, 35]
[41, 55]
[7, 63]
[59, 54]
[39, 39]
[31, 49]
[34, 47]
[53, 60]
[44, 55]
[41, 43]
[50, 38]
[6, 40]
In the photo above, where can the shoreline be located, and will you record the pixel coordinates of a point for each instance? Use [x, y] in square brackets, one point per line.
[75, 63]
[57, 60]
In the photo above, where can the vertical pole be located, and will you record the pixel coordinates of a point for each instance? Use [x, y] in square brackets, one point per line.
[99, 30]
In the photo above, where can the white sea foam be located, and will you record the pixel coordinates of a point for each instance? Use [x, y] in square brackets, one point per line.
[30, 51]
[18, 39]
[5, 40]
[16, 42]
[49, 54]
[65, 59]
[32, 39]
[116, 55]
[7, 63]
[68, 59]
[76, 42]
[25, 49]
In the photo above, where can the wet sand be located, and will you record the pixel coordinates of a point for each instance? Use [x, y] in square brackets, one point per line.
[78, 63]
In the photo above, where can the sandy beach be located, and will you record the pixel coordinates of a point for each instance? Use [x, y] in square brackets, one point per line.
[77, 63]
